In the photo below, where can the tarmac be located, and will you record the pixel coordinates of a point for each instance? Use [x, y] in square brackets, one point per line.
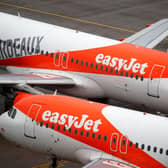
[114, 19]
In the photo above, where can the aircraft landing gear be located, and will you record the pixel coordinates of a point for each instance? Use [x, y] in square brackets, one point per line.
[54, 162]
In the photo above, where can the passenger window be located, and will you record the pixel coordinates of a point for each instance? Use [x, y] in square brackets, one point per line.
[81, 62]
[57, 56]
[86, 64]
[77, 61]
[121, 73]
[132, 75]
[51, 55]
[161, 150]
[47, 124]
[142, 146]
[116, 71]
[65, 58]
[42, 52]
[52, 126]
[114, 140]
[87, 134]
[130, 144]
[91, 65]
[96, 66]
[93, 135]
[105, 138]
[154, 149]
[106, 69]
[111, 70]
[148, 148]
[72, 60]
[136, 145]
[41, 124]
[46, 53]
[166, 152]
[101, 68]
[64, 129]
[99, 137]
[123, 142]
[58, 127]
[126, 74]
[76, 131]
[137, 76]
[70, 130]
[81, 133]
[142, 78]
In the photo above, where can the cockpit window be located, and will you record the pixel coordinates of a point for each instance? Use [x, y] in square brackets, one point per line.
[12, 113]
[9, 112]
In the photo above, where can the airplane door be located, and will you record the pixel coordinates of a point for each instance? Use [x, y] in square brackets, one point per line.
[29, 127]
[65, 57]
[153, 82]
[61, 59]
[114, 142]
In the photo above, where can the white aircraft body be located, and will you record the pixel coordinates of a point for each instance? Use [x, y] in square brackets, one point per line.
[85, 65]
[97, 135]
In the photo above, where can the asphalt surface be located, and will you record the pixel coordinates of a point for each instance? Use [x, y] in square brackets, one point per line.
[114, 19]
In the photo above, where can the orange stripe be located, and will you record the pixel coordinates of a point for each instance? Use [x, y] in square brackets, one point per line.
[77, 108]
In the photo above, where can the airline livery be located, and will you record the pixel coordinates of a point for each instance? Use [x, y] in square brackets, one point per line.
[84, 65]
[97, 135]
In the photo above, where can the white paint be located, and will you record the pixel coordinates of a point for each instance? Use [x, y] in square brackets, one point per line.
[145, 129]
[119, 63]
[69, 120]
[55, 38]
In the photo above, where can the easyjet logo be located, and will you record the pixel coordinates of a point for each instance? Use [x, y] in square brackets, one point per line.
[69, 120]
[119, 63]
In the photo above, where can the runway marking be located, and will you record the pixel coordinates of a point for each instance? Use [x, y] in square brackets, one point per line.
[67, 17]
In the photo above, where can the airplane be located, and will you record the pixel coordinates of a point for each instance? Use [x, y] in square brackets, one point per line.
[79, 64]
[96, 135]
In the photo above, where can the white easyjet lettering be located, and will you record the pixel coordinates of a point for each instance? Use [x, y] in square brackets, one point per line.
[62, 120]
[120, 63]
[99, 58]
[69, 120]
[46, 115]
[79, 125]
[54, 117]
[143, 66]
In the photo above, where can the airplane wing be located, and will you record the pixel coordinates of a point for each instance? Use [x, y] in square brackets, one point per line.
[34, 78]
[150, 36]
[24, 81]
[105, 163]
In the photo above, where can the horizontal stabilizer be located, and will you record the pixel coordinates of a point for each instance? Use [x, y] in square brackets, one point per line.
[150, 36]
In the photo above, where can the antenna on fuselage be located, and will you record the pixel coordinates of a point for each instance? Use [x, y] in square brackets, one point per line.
[55, 92]
[18, 14]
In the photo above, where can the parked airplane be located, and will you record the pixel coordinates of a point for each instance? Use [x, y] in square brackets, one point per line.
[85, 65]
[91, 133]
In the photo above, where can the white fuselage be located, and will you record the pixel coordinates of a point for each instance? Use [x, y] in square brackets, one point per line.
[142, 129]
[35, 37]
